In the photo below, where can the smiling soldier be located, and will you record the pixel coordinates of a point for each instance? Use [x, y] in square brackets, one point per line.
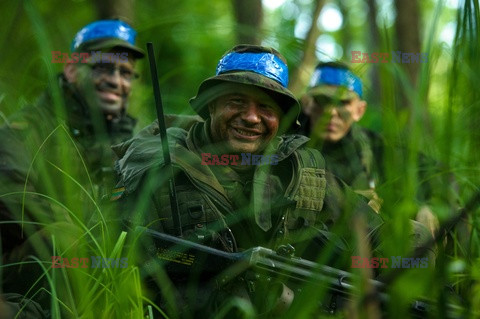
[235, 207]
[102, 87]
[46, 146]
[90, 101]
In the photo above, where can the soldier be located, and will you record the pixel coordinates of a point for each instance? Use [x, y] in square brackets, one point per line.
[95, 96]
[240, 183]
[333, 105]
[46, 146]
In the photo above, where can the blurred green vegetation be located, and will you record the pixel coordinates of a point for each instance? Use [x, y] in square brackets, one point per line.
[442, 121]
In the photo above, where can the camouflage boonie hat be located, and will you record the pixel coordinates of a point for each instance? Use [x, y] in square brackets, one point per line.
[260, 66]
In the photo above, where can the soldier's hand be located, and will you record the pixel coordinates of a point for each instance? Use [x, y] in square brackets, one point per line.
[375, 202]
[426, 217]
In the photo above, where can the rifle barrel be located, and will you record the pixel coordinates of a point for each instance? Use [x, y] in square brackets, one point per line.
[163, 135]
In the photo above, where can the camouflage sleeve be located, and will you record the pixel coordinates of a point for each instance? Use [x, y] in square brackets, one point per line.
[13, 305]
[23, 212]
[333, 236]
[18, 201]
[342, 204]
[134, 206]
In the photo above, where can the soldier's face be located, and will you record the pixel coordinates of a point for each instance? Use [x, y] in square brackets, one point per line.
[105, 86]
[332, 119]
[244, 121]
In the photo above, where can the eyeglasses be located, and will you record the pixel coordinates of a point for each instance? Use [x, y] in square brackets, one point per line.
[110, 68]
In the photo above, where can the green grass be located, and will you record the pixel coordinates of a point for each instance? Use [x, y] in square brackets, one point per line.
[444, 128]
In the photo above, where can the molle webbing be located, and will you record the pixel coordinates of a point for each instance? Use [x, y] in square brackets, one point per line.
[192, 207]
[308, 186]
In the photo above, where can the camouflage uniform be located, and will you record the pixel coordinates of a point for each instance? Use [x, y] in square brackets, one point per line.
[295, 202]
[59, 151]
[355, 154]
[41, 129]
[297, 194]
[37, 129]
[333, 102]
[356, 159]
[231, 207]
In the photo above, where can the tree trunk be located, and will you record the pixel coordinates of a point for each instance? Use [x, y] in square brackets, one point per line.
[249, 16]
[115, 9]
[302, 73]
[346, 32]
[374, 45]
[408, 38]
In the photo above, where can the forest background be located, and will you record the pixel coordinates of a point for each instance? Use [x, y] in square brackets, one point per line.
[433, 107]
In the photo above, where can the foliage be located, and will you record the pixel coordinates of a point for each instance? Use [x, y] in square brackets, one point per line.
[189, 36]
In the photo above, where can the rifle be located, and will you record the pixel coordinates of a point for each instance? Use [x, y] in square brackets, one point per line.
[265, 271]
[257, 265]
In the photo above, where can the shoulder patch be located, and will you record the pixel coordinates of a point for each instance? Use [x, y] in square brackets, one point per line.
[19, 125]
[117, 193]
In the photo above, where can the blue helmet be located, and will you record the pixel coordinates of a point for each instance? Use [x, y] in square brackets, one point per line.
[331, 75]
[106, 34]
[255, 65]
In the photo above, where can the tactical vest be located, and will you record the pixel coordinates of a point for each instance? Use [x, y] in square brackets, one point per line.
[352, 159]
[364, 146]
[204, 205]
